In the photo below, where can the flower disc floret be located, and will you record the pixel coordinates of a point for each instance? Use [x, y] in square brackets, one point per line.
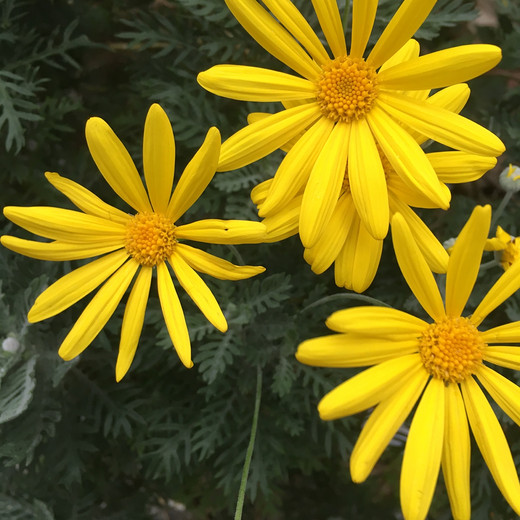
[347, 89]
[451, 349]
[150, 238]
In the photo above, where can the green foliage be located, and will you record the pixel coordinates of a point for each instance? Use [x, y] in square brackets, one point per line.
[76, 445]
[27, 53]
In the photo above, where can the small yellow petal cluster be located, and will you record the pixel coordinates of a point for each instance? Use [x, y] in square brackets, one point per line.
[510, 254]
[451, 349]
[150, 238]
[347, 89]
[507, 245]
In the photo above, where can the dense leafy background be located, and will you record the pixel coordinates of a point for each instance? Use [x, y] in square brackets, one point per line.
[75, 445]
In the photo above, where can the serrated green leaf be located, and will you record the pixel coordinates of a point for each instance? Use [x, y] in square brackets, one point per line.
[17, 390]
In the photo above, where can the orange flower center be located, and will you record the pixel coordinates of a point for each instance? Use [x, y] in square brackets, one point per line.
[150, 238]
[451, 349]
[347, 89]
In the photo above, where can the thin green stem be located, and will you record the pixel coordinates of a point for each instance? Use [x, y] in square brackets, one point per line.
[249, 452]
[488, 265]
[501, 207]
[345, 296]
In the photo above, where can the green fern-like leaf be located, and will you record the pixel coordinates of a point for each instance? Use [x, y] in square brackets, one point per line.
[17, 390]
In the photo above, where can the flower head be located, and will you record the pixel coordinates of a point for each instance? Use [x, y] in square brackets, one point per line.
[133, 246]
[507, 246]
[346, 106]
[437, 365]
[345, 240]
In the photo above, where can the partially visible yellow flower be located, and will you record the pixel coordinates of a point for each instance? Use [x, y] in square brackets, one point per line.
[352, 105]
[508, 245]
[437, 365]
[133, 247]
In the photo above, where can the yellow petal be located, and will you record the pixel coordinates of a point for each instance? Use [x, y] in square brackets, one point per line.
[351, 350]
[260, 191]
[158, 157]
[494, 244]
[441, 68]
[59, 251]
[265, 136]
[357, 262]
[505, 393]
[216, 231]
[297, 25]
[284, 223]
[214, 266]
[115, 164]
[363, 16]
[327, 248]
[367, 180]
[422, 453]
[74, 286]
[272, 36]
[247, 83]
[456, 167]
[508, 333]
[408, 51]
[503, 236]
[456, 454]
[133, 321]
[376, 321]
[196, 176]
[409, 196]
[441, 125]
[452, 98]
[503, 288]
[85, 200]
[173, 315]
[503, 356]
[330, 22]
[491, 442]
[369, 387]
[464, 263]
[408, 18]
[383, 424]
[198, 291]
[434, 252]
[407, 158]
[415, 269]
[324, 185]
[294, 170]
[98, 312]
[65, 224]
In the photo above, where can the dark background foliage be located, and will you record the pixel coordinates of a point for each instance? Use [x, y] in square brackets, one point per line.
[76, 445]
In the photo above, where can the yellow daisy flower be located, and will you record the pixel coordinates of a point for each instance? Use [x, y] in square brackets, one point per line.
[130, 244]
[345, 241]
[438, 366]
[508, 245]
[352, 105]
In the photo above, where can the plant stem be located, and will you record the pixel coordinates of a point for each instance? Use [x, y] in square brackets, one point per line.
[501, 207]
[249, 452]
